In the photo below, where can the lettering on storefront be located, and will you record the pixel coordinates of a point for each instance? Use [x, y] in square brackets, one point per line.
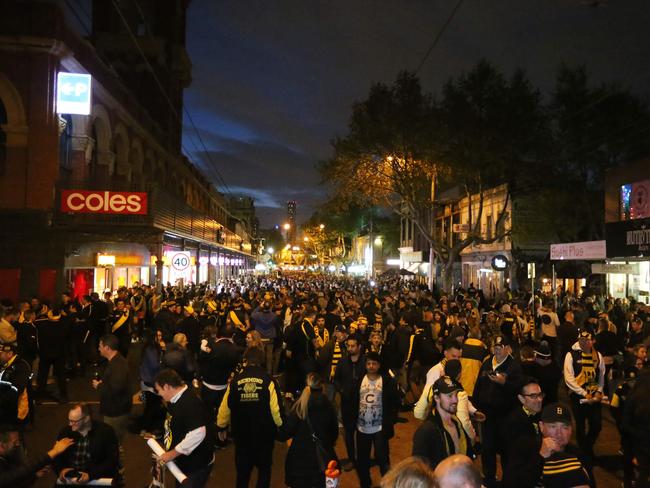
[103, 202]
[628, 238]
[639, 238]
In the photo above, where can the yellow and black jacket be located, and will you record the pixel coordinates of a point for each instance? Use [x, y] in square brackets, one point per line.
[15, 404]
[252, 406]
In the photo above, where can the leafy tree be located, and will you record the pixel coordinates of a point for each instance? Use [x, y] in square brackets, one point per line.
[401, 142]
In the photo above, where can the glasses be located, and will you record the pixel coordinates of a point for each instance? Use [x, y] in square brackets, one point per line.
[534, 396]
[75, 422]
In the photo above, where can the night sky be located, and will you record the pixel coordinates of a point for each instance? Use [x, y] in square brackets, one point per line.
[273, 81]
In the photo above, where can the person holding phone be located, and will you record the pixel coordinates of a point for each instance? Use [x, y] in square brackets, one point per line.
[495, 394]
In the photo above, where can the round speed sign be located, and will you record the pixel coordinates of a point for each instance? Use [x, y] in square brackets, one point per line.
[180, 261]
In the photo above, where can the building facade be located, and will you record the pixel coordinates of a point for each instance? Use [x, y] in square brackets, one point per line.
[627, 231]
[104, 199]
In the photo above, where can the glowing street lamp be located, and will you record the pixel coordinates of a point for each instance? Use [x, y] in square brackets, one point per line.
[269, 250]
[321, 226]
[287, 226]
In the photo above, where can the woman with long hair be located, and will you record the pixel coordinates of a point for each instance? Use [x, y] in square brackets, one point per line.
[313, 426]
[150, 363]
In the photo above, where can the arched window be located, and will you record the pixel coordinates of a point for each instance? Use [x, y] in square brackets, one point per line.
[65, 145]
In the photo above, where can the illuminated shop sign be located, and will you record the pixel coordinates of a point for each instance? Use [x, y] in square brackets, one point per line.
[73, 93]
[500, 262]
[103, 202]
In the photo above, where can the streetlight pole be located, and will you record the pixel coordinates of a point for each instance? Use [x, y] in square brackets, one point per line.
[433, 227]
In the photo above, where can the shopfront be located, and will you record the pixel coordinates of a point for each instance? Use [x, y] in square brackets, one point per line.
[107, 266]
[489, 272]
[628, 259]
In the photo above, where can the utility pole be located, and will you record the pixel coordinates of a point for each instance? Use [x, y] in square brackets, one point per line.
[432, 220]
[372, 249]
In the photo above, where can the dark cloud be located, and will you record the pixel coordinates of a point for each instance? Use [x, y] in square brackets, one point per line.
[274, 81]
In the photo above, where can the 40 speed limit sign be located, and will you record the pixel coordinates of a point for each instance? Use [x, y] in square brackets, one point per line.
[180, 260]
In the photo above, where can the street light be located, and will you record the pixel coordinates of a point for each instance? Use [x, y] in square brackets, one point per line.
[306, 239]
[269, 250]
[321, 226]
[287, 226]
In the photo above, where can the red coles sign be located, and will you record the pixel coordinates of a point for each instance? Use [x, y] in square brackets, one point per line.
[104, 202]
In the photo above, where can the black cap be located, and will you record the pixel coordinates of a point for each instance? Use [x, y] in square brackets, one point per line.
[446, 385]
[501, 340]
[556, 412]
[543, 350]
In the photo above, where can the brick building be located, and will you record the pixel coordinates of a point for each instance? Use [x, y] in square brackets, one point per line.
[65, 178]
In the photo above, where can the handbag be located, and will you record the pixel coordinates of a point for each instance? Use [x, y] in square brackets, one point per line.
[322, 454]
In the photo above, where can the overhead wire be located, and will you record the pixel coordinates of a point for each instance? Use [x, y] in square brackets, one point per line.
[439, 35]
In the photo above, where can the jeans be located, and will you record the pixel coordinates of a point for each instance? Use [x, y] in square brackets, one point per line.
[382, 456]
[119, 424]
[212, 399]
[59, 373]
[491, 444]
[198, 478]
[588, 423]
[249, 456]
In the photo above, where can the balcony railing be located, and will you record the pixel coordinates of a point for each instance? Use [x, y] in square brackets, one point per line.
[164, 211]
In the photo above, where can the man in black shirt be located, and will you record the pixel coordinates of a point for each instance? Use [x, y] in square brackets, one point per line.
[189, 435]
[114, 387]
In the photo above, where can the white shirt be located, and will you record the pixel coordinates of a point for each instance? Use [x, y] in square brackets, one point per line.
[422, 407]
[370, 407]
[570, 376]
[194, 437]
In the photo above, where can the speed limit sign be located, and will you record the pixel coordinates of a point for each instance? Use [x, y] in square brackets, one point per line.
[180, 260]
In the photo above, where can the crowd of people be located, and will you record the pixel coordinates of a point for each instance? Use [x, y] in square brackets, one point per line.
[302, 358]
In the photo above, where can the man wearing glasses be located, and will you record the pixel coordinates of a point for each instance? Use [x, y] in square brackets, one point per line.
[95, 452]
[521, 429]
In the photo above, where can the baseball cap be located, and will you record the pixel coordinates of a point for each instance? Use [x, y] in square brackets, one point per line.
[585, 334]
[501, 340]
[340, 328]
[446, 385]
[556, 412]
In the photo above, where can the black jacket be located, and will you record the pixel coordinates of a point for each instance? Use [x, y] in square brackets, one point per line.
[252, 405]
[433, 443]
[493, 398]
[180, 360]
[390, 403]
[218, 364]
[524, 441]
[301, 467]
[104, 451]
[347, 377]
[115, 389]
[52, 337]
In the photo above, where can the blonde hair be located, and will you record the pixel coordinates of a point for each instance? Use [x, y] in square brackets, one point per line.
[256, 338]
[409, 473]
[180, 339]
[314, 382]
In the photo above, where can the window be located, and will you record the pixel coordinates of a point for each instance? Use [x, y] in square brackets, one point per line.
[3, 138]
[65, 145]
[488, 227]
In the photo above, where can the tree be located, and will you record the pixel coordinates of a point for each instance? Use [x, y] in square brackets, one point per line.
[595, 128]
[401, 142]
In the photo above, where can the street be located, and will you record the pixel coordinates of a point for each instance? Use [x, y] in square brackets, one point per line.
[51, 417]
